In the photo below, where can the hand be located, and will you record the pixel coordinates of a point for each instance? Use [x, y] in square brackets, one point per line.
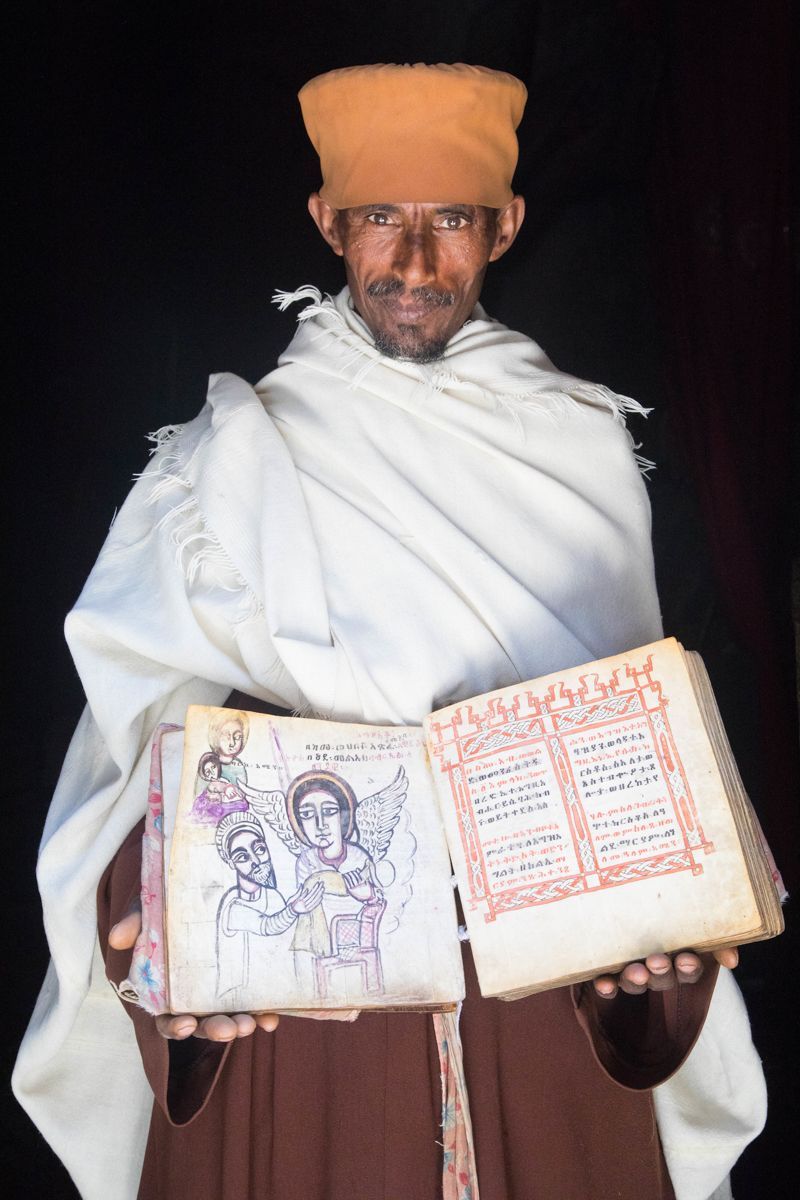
[219, 1027]
[354, 879]
[659, 972]
[307, 897]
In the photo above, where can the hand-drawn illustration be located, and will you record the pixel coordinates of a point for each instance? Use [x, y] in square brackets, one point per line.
[209, 767]
[338, 843]
[228, 731]
[215, 796]
[221, 774]
[307, 868]
[253, 906]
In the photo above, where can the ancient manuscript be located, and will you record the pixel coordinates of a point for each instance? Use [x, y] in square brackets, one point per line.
[595, 817]
[592, 817]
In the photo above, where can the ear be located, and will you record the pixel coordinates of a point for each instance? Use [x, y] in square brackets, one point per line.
[326, 220]
[509, 220]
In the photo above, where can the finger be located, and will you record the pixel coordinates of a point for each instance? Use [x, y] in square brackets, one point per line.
[267, 1021]
[312, 897]
[123, 935]
[218, 1028]
[729, 957]
[688, 966]
[176, 1028]
[606, 986]
[245, 1024]
[662, 974]
[634, 979]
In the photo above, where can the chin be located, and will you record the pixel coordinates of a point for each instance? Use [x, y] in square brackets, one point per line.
[415, 348]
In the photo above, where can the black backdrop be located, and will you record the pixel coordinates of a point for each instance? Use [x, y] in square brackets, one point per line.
[159, 198]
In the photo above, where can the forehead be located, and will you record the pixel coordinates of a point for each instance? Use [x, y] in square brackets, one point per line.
[244, 837]
[319, 796]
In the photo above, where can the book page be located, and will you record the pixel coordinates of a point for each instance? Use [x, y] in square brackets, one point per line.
[588, 822]
[308, 869]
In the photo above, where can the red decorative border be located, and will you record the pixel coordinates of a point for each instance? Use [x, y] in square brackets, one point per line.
[548, 720]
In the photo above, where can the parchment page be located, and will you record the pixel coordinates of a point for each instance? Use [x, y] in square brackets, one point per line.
[587, 821]
[308, 869]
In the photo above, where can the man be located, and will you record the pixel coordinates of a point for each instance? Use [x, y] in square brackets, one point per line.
[414, 507]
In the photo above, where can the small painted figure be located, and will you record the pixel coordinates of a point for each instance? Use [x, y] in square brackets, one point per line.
[228, 730]
[215, 796]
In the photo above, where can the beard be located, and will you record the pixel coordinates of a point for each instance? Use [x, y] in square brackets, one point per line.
[408, 341]
[409, 344]
[263, 875]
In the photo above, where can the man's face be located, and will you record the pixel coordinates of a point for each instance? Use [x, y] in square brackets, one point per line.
[250, 857]
[415, 270]
[321, 821]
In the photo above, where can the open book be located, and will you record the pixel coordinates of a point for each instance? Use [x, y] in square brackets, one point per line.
[592, 817]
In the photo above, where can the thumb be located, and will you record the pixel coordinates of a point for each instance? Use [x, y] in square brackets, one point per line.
[123, 935]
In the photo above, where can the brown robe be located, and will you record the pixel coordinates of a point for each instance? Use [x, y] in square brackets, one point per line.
[558, 1086]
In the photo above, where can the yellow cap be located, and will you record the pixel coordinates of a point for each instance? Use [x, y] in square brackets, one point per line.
[414, 133]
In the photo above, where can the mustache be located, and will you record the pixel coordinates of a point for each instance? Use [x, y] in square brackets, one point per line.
[382, 289]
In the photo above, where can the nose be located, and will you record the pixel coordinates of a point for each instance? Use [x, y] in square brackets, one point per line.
[415, 258]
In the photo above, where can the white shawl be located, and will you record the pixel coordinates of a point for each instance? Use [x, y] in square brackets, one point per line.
[356, 537]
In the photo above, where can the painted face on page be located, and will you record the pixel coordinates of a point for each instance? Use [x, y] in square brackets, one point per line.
[415, 270]
[249, 855]
[231, 740]
[321, 821]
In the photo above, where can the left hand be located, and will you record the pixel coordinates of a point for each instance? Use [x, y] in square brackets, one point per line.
[659, 972]
[217, 1027]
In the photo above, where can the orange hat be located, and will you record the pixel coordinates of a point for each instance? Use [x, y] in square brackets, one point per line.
[404, 134]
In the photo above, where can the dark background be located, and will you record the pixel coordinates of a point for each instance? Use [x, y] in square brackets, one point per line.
[160, 174]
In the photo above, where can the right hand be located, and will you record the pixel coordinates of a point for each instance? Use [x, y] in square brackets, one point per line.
[218, 1027]
[307, 897]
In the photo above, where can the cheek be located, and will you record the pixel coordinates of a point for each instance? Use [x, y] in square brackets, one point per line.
[468, 260]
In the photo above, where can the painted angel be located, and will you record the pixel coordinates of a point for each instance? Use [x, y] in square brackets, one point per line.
[337, 841]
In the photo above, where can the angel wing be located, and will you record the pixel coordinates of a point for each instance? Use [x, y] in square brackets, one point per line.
[377, 815]
[272, 807]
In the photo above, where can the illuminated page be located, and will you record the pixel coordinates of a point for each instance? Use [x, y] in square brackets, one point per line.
[308, 869]
[588, 822]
